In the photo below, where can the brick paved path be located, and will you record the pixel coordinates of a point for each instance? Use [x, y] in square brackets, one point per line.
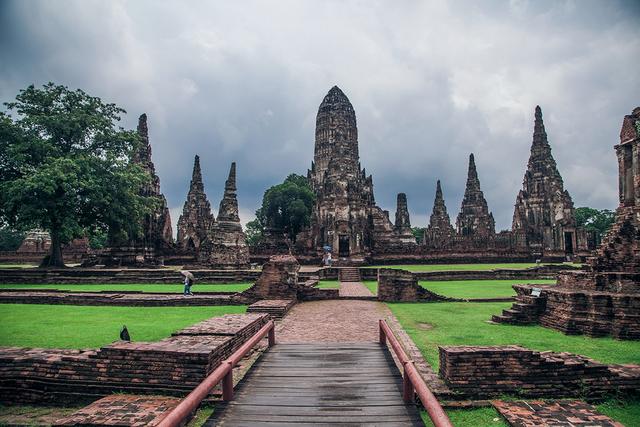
[354, 289]
[332, 321]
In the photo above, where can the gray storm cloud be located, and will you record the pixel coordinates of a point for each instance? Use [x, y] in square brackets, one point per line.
[430, 83]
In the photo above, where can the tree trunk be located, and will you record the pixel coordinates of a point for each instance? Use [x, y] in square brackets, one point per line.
[54, 259]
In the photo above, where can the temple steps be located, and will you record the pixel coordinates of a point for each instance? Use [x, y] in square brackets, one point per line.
[525, 310]
[349, 274]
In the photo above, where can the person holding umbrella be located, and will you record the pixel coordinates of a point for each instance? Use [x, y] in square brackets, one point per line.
[188, 281]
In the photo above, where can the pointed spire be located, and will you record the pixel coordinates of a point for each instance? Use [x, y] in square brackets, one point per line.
[402, 212]
[539, 133]
[196, 219]
[439, 220]
[143, 153]
[473, 183]
[229, 204]
[474, 217]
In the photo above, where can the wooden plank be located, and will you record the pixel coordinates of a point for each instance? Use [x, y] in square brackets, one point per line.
[307, 384]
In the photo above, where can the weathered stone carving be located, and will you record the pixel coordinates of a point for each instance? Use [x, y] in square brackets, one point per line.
[226, 246]
[345, 217]
[157, 235]
[439, 231]
[544, 212]
[603, 300]
[474, 218]
[196, 221]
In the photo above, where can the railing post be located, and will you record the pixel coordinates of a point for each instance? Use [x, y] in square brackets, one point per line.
[383, 337]
[227, 384]
[407, 387]
[272, 335]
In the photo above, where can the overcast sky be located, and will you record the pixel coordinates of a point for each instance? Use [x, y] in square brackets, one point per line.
[430, 82]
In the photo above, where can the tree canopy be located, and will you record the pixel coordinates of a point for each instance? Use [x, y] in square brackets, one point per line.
[66, 168]
[285, 207]
[595, 220]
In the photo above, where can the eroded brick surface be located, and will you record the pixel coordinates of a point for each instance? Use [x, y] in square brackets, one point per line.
[122, 410]
[561, 413]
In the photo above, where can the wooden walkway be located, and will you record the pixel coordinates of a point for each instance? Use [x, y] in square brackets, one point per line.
[312, 384]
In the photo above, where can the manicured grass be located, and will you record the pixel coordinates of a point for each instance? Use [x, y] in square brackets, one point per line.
[65, 326]
[466, 267]
[18, 265]
[142, 287]
[329, 284]
[476, 417]
[627, 412]
[434, 324]
[478, 288]
[372, 285]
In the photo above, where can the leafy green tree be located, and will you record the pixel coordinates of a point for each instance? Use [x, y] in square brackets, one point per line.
[10, 239]
[253, 232]
[65, 167]
[418, 233]
[595, 220]
[287, 206]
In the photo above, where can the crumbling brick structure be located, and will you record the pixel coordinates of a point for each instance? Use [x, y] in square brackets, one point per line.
[395, 285]
[226, 245]
[157, 235]
[544, 213]
[474, 218]
[485, 372]
[345, 217]
[439, 231]
[605, 299]
[196, 221]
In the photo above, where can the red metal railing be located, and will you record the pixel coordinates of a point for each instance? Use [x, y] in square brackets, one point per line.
[223, 373]
[412, 381]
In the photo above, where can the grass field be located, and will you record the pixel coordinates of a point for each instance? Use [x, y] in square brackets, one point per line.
[476, 417]
[18, 265]
[466, 267]
[431, 325]
[141, 287]
[469, 288]
[329, 284]
[65, 326]
[478, 288]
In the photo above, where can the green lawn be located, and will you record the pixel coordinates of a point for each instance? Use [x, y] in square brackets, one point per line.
[18, 265]
[329, 284]
[141, 287]
[431, 325]
[372, 285]
[478, 288]
[65, 326]
[466, 267]
[476, 417]
[626, 412]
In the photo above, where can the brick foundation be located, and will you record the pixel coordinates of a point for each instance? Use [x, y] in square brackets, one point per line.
[395, 285]
[485, 372]
[172, 366]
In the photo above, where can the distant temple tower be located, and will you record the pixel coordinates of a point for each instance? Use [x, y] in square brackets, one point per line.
[474, 218]
[544, 212]
[345, 218]
[439, 231]
[226, 245]
[196, 220]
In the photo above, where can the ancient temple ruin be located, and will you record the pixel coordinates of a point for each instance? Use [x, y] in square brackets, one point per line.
[474, 219]
[544, 217]
[156, 238]
[345, 219]
[439, 232]
[226, 246]
[196, 221]
[604, 299]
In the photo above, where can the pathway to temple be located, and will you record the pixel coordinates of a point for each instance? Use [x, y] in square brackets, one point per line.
[326, 368]
[354, 289]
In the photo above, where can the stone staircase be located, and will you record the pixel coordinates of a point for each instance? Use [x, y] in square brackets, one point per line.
[525, 311]
[349, 274]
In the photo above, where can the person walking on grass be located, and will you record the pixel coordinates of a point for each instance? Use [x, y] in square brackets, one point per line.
[188, 282]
